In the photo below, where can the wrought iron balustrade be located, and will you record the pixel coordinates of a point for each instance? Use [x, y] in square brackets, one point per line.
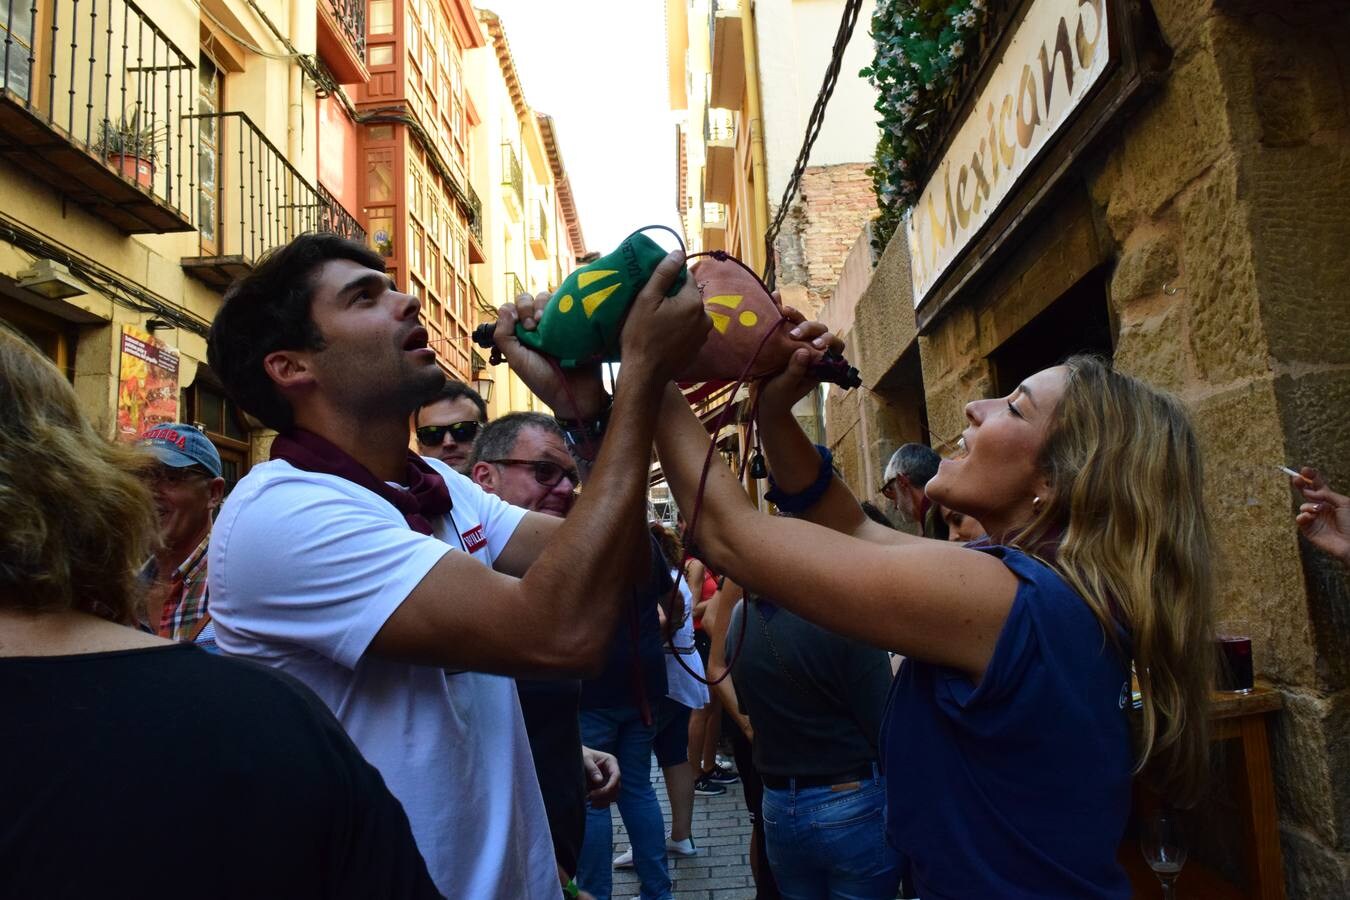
[476, 214]
[92, 99]
[250, 199]
[714, 215]
[513, 287]
[351, 18]
[512, 175]
[334, 218]
[719, 125]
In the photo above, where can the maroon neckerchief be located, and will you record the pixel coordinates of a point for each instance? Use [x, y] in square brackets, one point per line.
[425, 497]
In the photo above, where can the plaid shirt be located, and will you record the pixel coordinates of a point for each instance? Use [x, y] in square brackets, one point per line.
[185, 608]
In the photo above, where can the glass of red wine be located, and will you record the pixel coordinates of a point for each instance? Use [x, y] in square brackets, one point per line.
[1234, 641]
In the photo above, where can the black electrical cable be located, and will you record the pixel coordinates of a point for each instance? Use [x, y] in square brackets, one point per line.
[813, 126]
[119, 290]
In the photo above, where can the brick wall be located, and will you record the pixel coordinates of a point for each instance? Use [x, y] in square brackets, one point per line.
[832, 205]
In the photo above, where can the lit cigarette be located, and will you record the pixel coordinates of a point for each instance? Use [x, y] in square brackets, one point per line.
[1290, 472]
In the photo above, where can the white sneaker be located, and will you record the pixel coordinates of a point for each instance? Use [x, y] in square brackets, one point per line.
[684, 848]
[678, 848]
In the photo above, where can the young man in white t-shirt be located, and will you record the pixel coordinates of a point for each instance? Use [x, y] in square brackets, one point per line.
[321, 562]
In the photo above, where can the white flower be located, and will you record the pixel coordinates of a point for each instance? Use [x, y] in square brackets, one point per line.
[957, 49]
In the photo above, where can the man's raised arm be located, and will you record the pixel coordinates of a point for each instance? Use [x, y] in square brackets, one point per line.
[560, 614]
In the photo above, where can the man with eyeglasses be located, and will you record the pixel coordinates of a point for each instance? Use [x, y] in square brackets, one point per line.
[524, 459]
[447, 426]
[907, 474]
[187, 487]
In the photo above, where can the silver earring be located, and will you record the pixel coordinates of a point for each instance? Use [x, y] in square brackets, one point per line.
[1036, 504]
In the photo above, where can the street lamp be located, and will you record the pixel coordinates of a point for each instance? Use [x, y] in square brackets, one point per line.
[52, 280]
[482, 383]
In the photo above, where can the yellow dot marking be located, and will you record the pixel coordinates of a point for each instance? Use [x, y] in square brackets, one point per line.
[586, 279]
[591, 302]
[565, 303]
[748, 319]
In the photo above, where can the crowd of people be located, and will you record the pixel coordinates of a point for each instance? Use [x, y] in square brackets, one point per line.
[374, 672]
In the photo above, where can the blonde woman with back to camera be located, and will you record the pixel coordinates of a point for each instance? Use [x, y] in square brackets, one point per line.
[1007, 746]
[118, 742]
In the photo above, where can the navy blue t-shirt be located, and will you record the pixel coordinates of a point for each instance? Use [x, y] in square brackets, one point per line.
[617, 685]
[1020, 787]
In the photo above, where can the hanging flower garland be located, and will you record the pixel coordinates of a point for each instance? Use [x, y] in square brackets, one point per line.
[921, 46]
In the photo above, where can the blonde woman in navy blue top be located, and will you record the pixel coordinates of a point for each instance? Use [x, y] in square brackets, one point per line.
[1008, 744]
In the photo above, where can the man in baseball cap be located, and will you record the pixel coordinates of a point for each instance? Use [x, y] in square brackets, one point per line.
[188, 487]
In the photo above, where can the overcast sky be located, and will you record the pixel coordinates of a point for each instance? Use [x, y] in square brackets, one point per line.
[599, 68]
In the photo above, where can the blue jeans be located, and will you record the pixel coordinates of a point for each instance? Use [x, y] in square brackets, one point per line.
[620, 731]
[826, 843]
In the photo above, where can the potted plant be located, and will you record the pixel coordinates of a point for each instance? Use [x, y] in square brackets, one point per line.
[131, 147]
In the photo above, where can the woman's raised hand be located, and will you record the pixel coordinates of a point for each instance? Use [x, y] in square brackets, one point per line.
[783, 390]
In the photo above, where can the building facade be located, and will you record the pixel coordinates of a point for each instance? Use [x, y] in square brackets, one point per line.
[1188, 220]
[743, 78]
[148, 157]
[530, 227]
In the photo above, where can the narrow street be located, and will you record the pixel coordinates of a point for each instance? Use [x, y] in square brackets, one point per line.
[721, 831]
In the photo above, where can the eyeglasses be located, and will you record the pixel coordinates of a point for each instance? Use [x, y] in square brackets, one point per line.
[460, 432]
[545, 472]
[887, 490]
[162, 474]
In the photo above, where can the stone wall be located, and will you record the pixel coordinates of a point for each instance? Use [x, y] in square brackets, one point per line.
[1220, 213]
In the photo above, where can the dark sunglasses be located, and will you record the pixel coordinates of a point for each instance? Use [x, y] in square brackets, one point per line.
[462, 432]
[546, 473]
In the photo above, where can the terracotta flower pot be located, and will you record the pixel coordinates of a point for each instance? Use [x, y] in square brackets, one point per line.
[136, 168]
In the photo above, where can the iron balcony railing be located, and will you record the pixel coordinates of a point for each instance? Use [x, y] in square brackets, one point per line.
[250, 199]
[719, 125]
[480, 302]
[475, 214]
[351, 18]
[334, 218]
[541, 226]
[109, 81]
[513, 288]
[511, 173]
[714, 215]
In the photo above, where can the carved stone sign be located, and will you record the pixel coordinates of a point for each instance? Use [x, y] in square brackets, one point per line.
[1057, 54]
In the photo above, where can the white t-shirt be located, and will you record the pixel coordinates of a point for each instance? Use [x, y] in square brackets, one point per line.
[682, 687]
[304, 570]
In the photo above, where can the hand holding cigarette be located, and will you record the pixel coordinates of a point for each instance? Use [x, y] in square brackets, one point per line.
[1324, 516]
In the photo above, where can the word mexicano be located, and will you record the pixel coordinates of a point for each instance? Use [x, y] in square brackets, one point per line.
[1022, 111]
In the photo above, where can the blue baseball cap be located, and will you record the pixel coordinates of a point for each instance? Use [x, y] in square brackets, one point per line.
[178, 445]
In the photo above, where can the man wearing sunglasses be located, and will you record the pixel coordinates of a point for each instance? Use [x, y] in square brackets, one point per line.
[523, 458]
[446, 426]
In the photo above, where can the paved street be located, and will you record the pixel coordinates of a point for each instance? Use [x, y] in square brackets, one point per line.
[721, 831]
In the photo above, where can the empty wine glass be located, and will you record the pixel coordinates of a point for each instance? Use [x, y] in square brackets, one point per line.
[1161, 840]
